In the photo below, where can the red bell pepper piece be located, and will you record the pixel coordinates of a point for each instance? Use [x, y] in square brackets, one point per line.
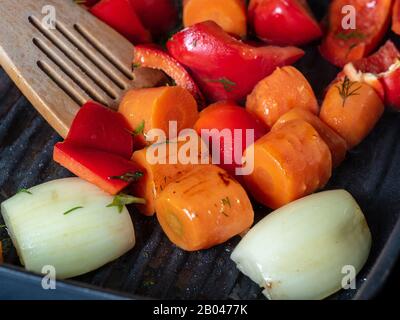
[380, 61]
[158, 16]
[105, 170]
[224, 67]
[380, 70]
[283, 22]
[97, 127]
[121, 15]
[396, 17]
[150, 56]
[341, 46]
[391, 84]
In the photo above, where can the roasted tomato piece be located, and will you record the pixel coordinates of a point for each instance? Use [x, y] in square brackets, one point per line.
[121, 16]
[229, 116]
[283, 22]
[158, 16]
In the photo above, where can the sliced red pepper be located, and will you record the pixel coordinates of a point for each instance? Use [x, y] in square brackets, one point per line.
[121, 15]
[391, 85]
[150, 56]
[396, 17]
[158, 16]
[380, 61]
[341, 46]
[380, 70]
[224, 67]
[284, 22]
[105, 170]
[97, 127]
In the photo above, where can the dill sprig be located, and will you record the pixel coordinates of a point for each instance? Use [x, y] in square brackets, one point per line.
[347, 90]
[120, 200]
[228, 85]
[24, 191]
[71, 210]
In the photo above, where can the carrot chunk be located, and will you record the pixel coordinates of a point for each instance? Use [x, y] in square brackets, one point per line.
[157, 175]
[289, 163]
[203, 208]
[230, 15]
[351, 109]
[337, 145]
[285, 89]
[154, 108]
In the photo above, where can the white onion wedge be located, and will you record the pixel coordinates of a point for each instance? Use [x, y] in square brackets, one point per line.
[302, 250]
[74, 243]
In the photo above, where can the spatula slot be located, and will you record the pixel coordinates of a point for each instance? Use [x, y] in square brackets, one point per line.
[104, 51]
[75, 95]
[69, 71]
[108, 69]
[68, 67]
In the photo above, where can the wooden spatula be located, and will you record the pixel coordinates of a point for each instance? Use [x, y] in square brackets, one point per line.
[59, 69]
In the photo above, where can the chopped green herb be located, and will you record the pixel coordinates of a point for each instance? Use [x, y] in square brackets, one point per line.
[120, 200]
[129, 176]
[226, 202]
[24, 191]
[346, 89]
[227, 84]
[140, 129]
[350, 35]
[71, 210]
[149, 283]
[135, 66]
[2, 226]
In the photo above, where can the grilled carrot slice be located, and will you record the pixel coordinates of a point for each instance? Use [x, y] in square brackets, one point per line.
[230, 15]
[152, 108]
[336, 143]
[351, 109]
[289, 163]
[285, 89]
[157, 175]
[203, 208]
